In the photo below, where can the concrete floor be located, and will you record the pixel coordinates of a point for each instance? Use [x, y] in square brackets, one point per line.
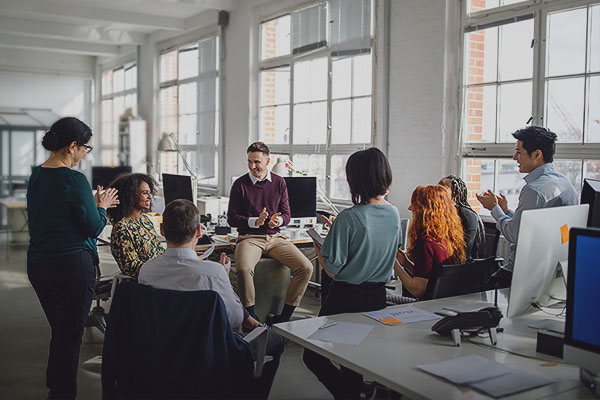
[25, 336]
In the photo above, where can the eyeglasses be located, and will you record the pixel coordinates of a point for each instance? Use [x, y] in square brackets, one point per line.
[88, 149]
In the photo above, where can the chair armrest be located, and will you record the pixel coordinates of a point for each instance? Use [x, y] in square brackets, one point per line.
[116, 280]
[259, 335]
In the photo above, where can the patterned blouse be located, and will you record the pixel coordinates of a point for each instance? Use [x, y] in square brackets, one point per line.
[133, 242]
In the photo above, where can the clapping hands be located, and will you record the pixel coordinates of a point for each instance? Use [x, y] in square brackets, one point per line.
[106, 199]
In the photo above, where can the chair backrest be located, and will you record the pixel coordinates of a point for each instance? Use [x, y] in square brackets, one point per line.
[172, 344]
[458, 279]
[489, 247]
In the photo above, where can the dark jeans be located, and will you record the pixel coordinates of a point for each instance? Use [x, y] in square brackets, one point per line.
[262, 386]
[340, 298]
[65, 287]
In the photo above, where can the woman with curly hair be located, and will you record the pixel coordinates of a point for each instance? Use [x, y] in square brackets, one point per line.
[133, 240]
[435, 237]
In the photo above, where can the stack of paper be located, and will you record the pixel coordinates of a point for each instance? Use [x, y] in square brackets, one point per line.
[491, 377]
[401, 315]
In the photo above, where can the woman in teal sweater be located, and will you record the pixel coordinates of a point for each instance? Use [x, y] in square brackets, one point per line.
[64, 221]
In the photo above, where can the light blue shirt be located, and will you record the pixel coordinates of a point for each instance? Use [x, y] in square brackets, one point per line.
[362, 244]
[180, 269]
[545, 187]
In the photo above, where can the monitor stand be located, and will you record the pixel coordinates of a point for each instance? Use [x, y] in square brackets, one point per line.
[590, 380]
[556, 290]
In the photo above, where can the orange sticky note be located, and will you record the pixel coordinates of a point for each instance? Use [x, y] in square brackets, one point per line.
[391, 321]
[564, 233]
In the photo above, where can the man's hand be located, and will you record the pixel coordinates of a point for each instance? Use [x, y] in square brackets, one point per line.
[488, 199]
[274, 220]
[503, 203]
[250, 323]
[262, 217]
[225, 262]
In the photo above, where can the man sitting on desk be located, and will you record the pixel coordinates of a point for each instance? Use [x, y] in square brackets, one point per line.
[258, 206]
[545, 187]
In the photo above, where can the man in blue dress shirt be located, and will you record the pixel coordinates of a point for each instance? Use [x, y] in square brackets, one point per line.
[545, 187]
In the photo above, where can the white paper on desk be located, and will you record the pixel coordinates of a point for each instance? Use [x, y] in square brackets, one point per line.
[402, 315]
[513, 382]
[468, 369]
[343, 332]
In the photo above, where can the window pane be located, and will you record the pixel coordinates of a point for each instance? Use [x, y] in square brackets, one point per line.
[572, 170]
[131, 78]
[510, 182]
[310, 80]
[107, 77]
[591, 169]
[312, 165]
[478, 175]
[131, 102]
[188, 62]
[275, 38]
[168, 66]
[41, 153]
[188, 98]
[214, 181]
[482, 55]
[310, 123]
[108, 158]
[187, 129]
[480, 114]
[275, 86]
[168, 110]
[5, 152]
[478, 5]
[275, 125]
[168, 162]
[514, 110]
[118, 80]
[118, 108]
[339, 188]
[566, 42]
[362, 76]
[21, 151]
[341, 77]
[361, 120]
[595, 39]
[593, 118]
[341, 113]
[190, 156]
[564, 105]
[515, 44]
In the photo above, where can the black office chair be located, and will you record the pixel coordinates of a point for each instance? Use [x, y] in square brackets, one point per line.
[458, 279]
[97, 316]
[489, 247]
[176, 344]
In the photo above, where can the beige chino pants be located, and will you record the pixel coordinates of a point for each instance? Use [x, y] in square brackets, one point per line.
[248, 251]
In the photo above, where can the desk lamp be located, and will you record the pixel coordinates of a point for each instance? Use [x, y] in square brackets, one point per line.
[168, 143]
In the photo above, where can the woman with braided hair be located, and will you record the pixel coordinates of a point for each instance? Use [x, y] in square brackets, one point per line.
[471, 222]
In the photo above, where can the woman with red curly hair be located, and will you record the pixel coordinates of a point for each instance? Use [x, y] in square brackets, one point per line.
[435, 237]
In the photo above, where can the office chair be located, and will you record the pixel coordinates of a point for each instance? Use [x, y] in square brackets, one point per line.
[175, 344]
[458, 279]
[97, 316]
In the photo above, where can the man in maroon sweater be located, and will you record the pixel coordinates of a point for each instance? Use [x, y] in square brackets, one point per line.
[258, 206]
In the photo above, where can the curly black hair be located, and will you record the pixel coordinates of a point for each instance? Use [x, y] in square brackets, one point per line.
[129, 189]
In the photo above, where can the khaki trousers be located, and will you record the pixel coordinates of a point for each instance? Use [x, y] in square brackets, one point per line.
[248, 251]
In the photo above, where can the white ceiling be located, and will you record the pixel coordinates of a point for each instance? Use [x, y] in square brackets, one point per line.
[95, 28]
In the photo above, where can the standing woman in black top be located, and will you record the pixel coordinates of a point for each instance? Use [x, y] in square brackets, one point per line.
[64, 221]
[471, 221]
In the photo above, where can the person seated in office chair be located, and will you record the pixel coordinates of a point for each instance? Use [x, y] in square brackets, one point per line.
[258, 206]
[544, 187]
[133, 239]
[435, 237]
[180, 269]
[358, 255]
[471, 222]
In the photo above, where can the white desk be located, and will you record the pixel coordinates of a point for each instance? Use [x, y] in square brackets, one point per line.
[390, 354]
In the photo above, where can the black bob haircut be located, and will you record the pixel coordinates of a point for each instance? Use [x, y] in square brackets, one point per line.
[538, 138]
[369, 174]
[64, 132]
[128, 186]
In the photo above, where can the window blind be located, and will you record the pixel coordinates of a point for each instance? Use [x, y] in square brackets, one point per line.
[309, 28]
[350, 22]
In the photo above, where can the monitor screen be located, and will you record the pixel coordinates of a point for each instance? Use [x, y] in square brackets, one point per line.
[543, 242]
[103, 176]
[590, 194]
[302, 193]
[582, 327]
[177, 187]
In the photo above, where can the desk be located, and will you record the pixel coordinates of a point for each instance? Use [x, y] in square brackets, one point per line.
[389, 354]
[13, 203]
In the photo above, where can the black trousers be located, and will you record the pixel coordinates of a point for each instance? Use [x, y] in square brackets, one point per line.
[65, 287]
[340, 297]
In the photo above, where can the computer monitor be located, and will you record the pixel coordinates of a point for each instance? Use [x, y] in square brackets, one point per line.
[302, 193]
[542, 244]
[582, 327]
[590, 194]
[103, 176]
[177, 187]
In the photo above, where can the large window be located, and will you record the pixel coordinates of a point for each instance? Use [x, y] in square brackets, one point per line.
[315, 104]
[189, 99]
[118, 93]
[529, 64]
